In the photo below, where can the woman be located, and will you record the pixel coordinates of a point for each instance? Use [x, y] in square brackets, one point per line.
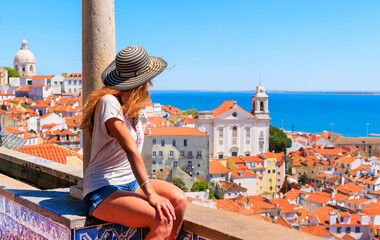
[116, 186]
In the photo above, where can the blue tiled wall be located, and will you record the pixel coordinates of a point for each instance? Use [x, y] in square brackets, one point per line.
[18, 222]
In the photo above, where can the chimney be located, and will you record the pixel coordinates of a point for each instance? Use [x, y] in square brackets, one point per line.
[148, 131]
[233, 104]
[332, 218]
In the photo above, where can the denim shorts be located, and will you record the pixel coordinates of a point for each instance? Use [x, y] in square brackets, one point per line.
[94, 198]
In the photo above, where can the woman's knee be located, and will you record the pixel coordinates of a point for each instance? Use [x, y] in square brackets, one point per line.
[179, 200]
[162, 227]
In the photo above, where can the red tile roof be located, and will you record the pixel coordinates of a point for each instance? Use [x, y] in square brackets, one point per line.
[13, 131]
[285, 206]
[226, 106]
[22, 89]
[74, 75]
[316, 230]
[175, 131]
[242, 173]
[50, 152]
[41, 77]
[215, 167]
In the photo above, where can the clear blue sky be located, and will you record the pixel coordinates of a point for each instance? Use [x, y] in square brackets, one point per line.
[216, 45]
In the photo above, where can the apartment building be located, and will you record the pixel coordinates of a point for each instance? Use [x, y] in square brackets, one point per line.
[180, 147]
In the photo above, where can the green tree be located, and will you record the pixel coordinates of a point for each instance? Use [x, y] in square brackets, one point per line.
[203, 186]
[278, 140]
[179, 183]
[191, 112]
[304, 179]
[12, 72]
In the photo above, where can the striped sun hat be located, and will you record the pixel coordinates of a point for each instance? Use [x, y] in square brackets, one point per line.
[131, 68]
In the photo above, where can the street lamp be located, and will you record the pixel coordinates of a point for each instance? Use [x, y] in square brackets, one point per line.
[367, 128]
[332, 127]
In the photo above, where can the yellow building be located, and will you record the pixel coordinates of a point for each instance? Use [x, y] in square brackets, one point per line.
[270, 180]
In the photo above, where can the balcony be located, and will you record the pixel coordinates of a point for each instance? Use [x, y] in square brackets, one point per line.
[63, 216]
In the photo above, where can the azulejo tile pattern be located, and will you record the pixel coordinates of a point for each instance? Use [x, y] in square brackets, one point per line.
[18, 222]
[108, 231]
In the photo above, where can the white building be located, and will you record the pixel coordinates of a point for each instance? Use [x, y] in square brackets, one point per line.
[72, 83]
[24, 62]
[179, 147]
[234, 131]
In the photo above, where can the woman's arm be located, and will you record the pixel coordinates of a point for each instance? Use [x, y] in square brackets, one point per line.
[119, 130]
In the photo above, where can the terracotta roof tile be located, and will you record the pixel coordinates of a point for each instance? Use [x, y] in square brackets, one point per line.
[226, 106]
[215, 167]
[242, 173]
[13, 131]
[174, 131]
[41, 77]
[50, 152]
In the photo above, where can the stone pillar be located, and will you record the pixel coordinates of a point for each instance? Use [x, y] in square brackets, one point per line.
[98, 51]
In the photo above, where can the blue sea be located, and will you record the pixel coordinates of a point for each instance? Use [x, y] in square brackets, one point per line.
[311, 113]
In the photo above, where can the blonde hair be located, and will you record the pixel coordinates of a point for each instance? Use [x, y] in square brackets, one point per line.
[131, 106]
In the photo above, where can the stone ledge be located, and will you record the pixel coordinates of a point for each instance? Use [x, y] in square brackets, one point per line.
[38, 171]
[57, 205]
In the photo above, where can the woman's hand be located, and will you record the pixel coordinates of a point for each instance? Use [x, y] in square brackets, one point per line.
[163, 206]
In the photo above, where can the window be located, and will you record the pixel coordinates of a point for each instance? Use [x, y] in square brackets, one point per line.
[270, 188]
[154, 162]
[247, 154]
[199, 154]
[69, 82]
[278, 180]
[220, 142]
[348, 229]
[327, 228]
[268, 163]
[261, 106]
[175, 163]
[31, 68]
[154, 170]
[339, 229]
[197, 173]
[234, 142]
[154, 141]
[160, 169]
[357, 229]
[273, 171]
[279, 173]
[220, 132]
[268, 171]
[174, 142]
[190, 154]
[182, 154]
[154, 153]
[162, 142]
[75, 82]
[247, 142]
[23, 68]
[247, 133]
[220, 156]
[341, 219]
[270, 180]
[185, 142]
[199, 165]
[160, 153]
[171, 153]
[234, 132]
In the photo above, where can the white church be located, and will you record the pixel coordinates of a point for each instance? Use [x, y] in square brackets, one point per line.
[234, 131]
[24, 62]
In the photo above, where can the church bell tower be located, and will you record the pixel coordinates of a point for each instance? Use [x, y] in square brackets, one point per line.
[260, 103]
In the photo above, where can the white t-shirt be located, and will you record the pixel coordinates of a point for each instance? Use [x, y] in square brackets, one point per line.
[109, 164]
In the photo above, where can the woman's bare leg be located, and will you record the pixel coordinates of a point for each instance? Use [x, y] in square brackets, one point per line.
[133, 210]
[178, 199]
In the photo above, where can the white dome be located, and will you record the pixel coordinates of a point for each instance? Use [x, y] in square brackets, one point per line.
[260, 89]
[24, 55]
